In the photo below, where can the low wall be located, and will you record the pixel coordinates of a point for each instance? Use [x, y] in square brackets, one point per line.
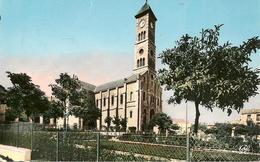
[15, 153]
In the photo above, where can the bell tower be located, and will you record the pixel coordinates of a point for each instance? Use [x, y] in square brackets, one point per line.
[145, 50]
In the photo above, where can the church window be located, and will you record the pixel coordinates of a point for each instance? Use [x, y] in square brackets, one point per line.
[121, 98]
[97, 102]
[112, 100]
[143, 61]
[249, 117]
[138, 63]
[131, 96]
[141, 51]
[151, 53]
[131, 114]
[144, 34]
[104, 101]
[257, 117]
[151, 114]
[139, 37]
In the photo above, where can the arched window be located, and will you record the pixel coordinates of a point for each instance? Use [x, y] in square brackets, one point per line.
[131, 114]
[151, 114]
[138, 63]
[144, 34]
[151, 53]
[143, 61]
[131, 96]
[121, 98]
[139, 37]
[104, 101]
[97, 102]
[112, 100]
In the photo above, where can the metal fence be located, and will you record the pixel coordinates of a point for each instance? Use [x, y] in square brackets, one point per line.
[53, 145]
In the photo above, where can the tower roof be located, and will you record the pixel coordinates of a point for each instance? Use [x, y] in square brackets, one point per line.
[144, 10]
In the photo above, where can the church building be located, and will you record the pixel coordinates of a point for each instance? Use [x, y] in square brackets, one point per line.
[138, 97]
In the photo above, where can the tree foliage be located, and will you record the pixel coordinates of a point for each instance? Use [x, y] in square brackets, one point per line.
[220, 130]
[66, 91]
[119, 123]
[123, 124]
[203, 71]
[108, 121]
[162, 120]
[24, 96]
[87, 110]
[116, 122]
[55, 111]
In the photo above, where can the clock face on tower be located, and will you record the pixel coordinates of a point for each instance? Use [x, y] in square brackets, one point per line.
[142, 23]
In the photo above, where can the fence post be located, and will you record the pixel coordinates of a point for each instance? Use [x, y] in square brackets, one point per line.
[2, 130]
[57, 147]
[98, 145]
[32, 136]
[17, 142]
[187, 136]
[188, 148]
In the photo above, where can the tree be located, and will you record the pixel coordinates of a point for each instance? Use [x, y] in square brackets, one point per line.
[88, 110]
[55, 111]
[252, 129]
[240, 129]
[174, 128]
[162, 120]
[202, 127]
[223, 130]
[108, 121]
[200, 70]
[67, 93]
[24, 96]
[116, 122]
[123, 124]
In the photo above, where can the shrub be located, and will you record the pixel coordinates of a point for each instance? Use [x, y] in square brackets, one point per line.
[132, 129]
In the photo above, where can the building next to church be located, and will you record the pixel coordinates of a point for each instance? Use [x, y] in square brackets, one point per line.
[3, 106]
[250, 115]
[137, 97]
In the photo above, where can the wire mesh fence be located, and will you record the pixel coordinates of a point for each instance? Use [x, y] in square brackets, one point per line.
[55, 145]
[220, 150]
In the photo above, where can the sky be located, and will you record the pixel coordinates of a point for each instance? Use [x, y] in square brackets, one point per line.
[94, 39]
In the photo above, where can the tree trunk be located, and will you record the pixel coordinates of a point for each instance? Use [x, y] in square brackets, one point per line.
[196, 124]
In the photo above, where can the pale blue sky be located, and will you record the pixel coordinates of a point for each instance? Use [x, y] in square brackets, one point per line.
[36, 27]
[89, 37]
